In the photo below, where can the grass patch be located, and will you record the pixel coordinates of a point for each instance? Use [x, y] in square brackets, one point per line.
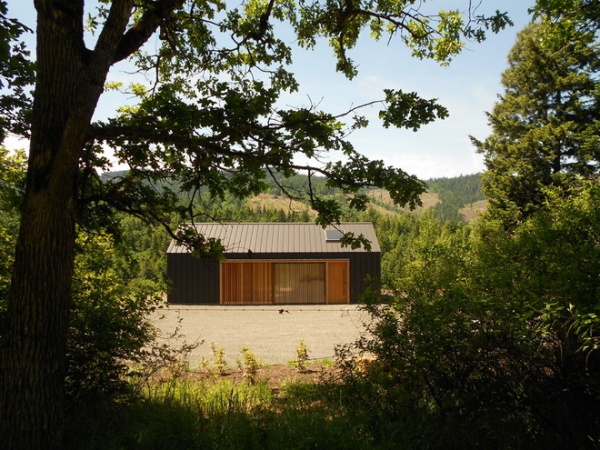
[219, 413]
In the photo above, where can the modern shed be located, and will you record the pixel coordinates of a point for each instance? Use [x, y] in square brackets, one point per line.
[274, 263]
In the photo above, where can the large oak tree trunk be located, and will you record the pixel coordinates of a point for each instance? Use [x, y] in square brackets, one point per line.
[33, 361]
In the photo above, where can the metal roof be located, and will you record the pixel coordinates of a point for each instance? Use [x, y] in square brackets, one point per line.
[281, 237]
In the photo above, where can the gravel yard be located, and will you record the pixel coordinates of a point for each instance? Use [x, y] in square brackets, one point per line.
[272, 333]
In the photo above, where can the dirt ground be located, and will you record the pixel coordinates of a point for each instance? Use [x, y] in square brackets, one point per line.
[277, 376]
[272, 333]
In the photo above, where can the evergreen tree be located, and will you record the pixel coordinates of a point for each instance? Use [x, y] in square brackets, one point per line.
[545, 126]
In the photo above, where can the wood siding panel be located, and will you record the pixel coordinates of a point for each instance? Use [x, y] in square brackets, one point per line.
[273, 282]
[246, 282]
[337, 282]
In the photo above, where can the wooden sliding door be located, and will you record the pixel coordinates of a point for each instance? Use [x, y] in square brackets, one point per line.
[337, 282]
[284, 282]
[246, 282]
[299, 282]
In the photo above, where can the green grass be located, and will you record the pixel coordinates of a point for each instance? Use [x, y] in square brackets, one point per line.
[219, 414]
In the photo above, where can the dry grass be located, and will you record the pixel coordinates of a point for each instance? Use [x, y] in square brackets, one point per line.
[270, 201]
[471, 211]
[274, 375]
[429, 199]
[384, 203]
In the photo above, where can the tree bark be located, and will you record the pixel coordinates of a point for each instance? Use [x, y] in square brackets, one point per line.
[70, 79]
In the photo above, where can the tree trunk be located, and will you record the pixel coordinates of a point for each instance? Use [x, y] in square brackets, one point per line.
[33, 362]
[33, 359]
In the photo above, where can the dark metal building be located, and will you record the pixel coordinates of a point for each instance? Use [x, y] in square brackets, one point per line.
[275, 263]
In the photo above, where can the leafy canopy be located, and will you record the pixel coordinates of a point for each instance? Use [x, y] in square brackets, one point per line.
[210, 117]
[16, 75]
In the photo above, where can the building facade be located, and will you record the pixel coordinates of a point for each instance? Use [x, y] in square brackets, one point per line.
[275, 263]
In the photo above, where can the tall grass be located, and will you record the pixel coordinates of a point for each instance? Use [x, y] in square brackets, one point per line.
[219, 414]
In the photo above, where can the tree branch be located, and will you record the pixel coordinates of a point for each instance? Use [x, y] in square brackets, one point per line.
[141, 31]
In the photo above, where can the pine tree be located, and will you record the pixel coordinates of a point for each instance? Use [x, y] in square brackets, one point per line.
[545, 126]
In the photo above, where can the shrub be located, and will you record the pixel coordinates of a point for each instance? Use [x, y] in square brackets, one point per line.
[110, 328]
[249, 365]
[301, 361]
[491, 337]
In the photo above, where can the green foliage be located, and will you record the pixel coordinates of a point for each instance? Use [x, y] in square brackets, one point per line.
[16, 76]
[491, 336]
[410, 111]
[562, 14]
[221, 414]
[301, 361]
[110, 327]
[404, 238]
[113, 295]
[550, 264]
[435, 36]
[12, 180]
[222, 133]
[455, 193]
[145, 249]
[249, 365]
[545, 127]
[207, 119]
[176, 415]
[556, 254]
[217, 365]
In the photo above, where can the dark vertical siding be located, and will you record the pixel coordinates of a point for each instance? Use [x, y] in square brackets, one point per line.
[193, 281]
[365, 268]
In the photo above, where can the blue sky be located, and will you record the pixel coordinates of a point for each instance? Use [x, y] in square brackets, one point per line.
[468, 88]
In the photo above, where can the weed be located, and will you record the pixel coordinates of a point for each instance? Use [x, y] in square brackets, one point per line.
[301, 361]
[217, 365]
[249, 365]
[327, 363]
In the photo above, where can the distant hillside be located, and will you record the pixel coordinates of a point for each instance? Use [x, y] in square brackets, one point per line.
[382, 198]
[466, 188]
[471, 211]
[461, 198]
[458, 198]
[273, 201]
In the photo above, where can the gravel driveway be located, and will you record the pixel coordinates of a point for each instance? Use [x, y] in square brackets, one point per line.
[272, 333]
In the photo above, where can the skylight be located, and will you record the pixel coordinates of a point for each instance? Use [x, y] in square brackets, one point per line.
[333, 235]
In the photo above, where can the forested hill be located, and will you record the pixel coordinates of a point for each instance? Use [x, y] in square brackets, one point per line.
[457, 198]
[460, 197]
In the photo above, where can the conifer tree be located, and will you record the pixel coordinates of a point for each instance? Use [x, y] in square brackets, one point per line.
[545, 126]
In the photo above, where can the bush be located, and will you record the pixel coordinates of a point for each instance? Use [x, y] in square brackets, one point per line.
[110, 328]
[491, 337]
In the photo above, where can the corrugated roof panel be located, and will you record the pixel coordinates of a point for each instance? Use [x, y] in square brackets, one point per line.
[278, 241]
[257, 240]
[287, 239]
[279, 237]
[305, 240]
[293, 239]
